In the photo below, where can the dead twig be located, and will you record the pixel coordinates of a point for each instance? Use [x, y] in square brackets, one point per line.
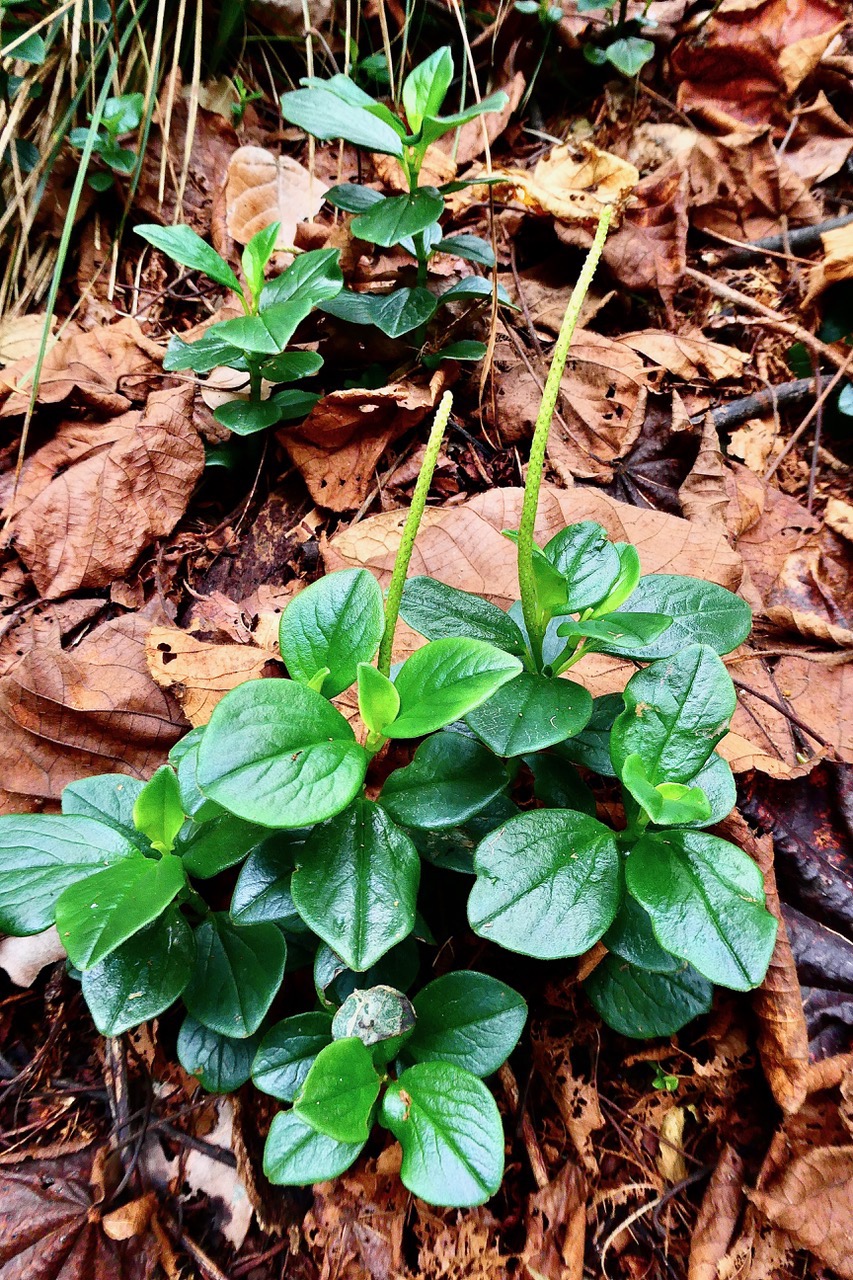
[736, 412]
[785, 711]
[812, 413]
[803, 239]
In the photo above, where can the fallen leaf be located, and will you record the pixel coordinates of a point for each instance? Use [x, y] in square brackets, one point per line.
[110, 491]
[751, 57]
[821, 694]
[820, 144]
[783, 1042]
[704, 495]
[572, 189]
[220, 1181]
[753, 443]
[355, 1227]
[556, 1228]
[544, 290]
[602, 406]
[648, 250]
[811, 1200]
[107, 368]
[839, 518]
[262, 188]
[20, 337]
[661, 458]
[718, 1215]
[575, 1095]
[688, 355]
[24, 958]
[670, 1161]
[199, 672]
[337, 447]
[813, 593]
[836, 264]
[90, 708]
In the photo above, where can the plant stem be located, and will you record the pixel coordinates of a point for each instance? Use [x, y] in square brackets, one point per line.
[410, 532]
[255, 382]
[536, 465]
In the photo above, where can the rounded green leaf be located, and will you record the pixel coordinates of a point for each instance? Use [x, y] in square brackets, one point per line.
[425, 87]
[339, 1092]
[295, 1155]
[158, 812]
[378, 700]
[262, 892]
[445, 680]
[547, 884]
[108, 798]
[629, 576]
[333, 981]
[237, 974]
[558, 785]
[332, 626]
[588, 561]
[287, 1052]
[669, 803]
[401, 311]
[96, 915]
[142, 977]
[591, 747]
[278, 754]
[246, 417]
[469, 1019]
[530, 713]
[41, 854]
[676, 711]
[221, 1064]
[435, 610]
[356, 884]
[702, 612]
[388, 222]
[450, 1130]
[705, 898]
[632, 937]
[717, 781]
[451, 778]
[314, 277]
[644, 1005]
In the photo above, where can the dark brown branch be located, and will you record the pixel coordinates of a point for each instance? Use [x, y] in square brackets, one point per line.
[802, 240]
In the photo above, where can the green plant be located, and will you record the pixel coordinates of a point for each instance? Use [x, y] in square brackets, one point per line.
[254, 343]
[338, 108]
[120, 116]
[245, 95]
[275, 784]
[620, 43]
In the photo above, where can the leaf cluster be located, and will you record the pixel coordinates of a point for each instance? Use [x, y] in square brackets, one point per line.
[121, 115]
[620, 43]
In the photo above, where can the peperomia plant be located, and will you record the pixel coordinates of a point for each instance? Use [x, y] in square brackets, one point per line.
[338, 108]
[329, 843]
[254, 343]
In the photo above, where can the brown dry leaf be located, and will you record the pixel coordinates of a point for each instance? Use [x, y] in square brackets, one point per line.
[602, 404]
[128, 485]
[760, 737]
[572, 189]
[648, 251]
[839, 518]
[718, 1215]
[575, 1096]
[199, 672]
[821, 143]
[753, 443]
[470, 144]
[556, 1228]
[821, 694]
[738, 187]
[811, 1200]
[355, 1227]
[704, 495]
[213, 141]
[837, 262]
[813, 594]
[544, 291]
[90, 708]
[262, 188]
[339, 444]
[108, 368]
[688, 355]
[751, 57]
[20, 337]
[783, 1041]
[670, 1161]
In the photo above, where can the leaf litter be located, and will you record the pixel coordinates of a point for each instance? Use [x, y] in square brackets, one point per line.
[138, 588]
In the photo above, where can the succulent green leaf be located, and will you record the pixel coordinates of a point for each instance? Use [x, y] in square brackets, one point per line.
[445, 680]
[287, 1053]
[530, 713]
[632, 937]
[220, 1063]
[641, 1004]
[378, 700]
[668, 804]
[257, 254]
[471, 248]
[262, 892]
[212, 846]
[437, 610]
[295, 1155]
[332, 625]
[314, 277]
[425, 87]
[450, 779]
[142, 977]
[237, 974]
[108, 798]
[469, 1019]
[183, 245]
[247, 417]
[389, 222]
[325, 115]
[588, 560]
[339, 1092]
[702, 612]
[158, 812]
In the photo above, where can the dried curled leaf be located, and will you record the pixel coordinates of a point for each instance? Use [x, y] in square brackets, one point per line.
[262, 188]
[718, 1215]
[199, 672]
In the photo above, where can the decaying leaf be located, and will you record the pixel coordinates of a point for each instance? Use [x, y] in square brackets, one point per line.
[355, 1228]
[24, 958]
[602, 406]
[262, 188]
[688, 355]
[821, 694]
[783, 1042]
[811, 1200]
[648, 250]
[339, 444]
[836, 264]
[573, 184]
[199, 672]
[107, 369]
[820, 144]
[753, 443]
[20, 337]
[556, 1228]
[95, 496]
[718, 1215]
[90, 708]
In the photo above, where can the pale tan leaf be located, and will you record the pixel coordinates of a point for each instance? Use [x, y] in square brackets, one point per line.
[556, 1228]
[20, 337]
[688, 355]
[262, 188]
[718, 1215]
[573, 184]
[839, 517]
[703, 494]
[811, 1200]
[200, 672]
[753, 443]
[821, 694]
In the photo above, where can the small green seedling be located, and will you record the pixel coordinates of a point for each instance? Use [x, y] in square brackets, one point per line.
[266, 808]
[620, 42]
[245, 95]
[338, 108]
[121, 116]
[255, 343]
[663, 1081]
